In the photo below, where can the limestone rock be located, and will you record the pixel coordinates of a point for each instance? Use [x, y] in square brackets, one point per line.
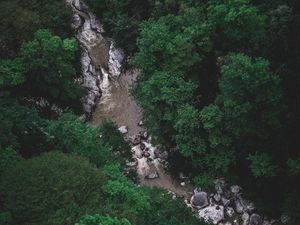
[76, 21]
[123, 129]
[116, 57]
[242, 205]
[229, 211]
[225, 201]
[217, 197]
[212, 213]
[135, 140]
[245, 218]
[132, 164]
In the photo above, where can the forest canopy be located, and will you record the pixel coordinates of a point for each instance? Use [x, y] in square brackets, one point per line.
[219, 89]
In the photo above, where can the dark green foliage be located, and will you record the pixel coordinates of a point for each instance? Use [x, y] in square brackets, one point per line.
[187, 122]
[294, 166]
[161, 96]
[172, 43]
[237, 22]
[219, 86]
[20, 127]
[164, 210]
[99, 220]
[50, 71]
[110, 134]
[205, 180]
[20, 19]
[51, 189]
[11, 72]
[45, 68]
[8, 158]
[71, 135]
[261, 165]
[5, 218]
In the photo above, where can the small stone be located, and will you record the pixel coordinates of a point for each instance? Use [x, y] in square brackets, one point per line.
[123, 129]
[76, 21]
[225, 201]
[200, 200]
[145, 135]
[245, 218]
[238, 206]
[284, 219]
[266, 222]
[182, 184]
[142, 146]
[152, 175]
[217, 197]
[229, 211]
[141, 123]
[255, 219]
[197, 190]
[235, 189]
[146, 154]
[135, 140]
[182, 176]
[132, 164]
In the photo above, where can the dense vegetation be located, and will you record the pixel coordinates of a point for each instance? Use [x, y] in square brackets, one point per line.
[220, 83]
[54, 168]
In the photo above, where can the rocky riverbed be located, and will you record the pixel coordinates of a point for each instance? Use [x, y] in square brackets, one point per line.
[109, 98]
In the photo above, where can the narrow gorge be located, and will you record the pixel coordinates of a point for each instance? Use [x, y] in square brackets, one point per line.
[109, 87]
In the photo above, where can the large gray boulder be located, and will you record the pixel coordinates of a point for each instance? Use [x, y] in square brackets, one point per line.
[199, 200]
[212, 213]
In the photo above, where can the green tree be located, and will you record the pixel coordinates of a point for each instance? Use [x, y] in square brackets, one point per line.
[22, 126]
[71, 135]
[165, 210]
[50, 71]
[11, 72]
[160, 96]
[187, 128]
[251, 96]
[8, 159]
[172, 43]
[110, 134]
[20, 19]
[53, 188]
[101, 220]
[123, 197]
[261, 165]
[238, 23]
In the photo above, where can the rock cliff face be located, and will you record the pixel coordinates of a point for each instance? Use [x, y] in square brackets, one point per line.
[99, 57]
